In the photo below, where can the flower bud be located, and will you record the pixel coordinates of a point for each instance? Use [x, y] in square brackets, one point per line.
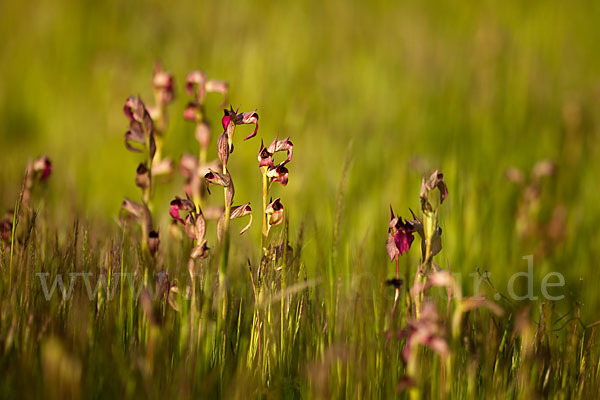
[142, 177]
[223, 149]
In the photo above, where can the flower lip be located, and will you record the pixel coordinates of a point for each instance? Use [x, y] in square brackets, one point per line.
[403, 240]
[279, 174]
[400, 235]
[227, 118]
[179, 204]
[174, 212]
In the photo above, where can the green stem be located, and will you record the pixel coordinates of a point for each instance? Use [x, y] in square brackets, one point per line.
[397, 291]
[202, 156]
[426, 266]
[198, 190]
[265, 194]
[158, 140]
[224, 259]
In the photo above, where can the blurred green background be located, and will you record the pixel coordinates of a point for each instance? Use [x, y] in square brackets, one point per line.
[399, 88]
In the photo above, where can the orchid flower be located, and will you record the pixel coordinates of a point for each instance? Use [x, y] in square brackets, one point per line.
[232, 118]
[141, 127]
[193, 223]
[400, 236]
[276, 172]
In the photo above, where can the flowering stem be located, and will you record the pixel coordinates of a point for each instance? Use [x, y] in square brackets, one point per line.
[422, 274]
[159, 144]
[397, 294]
[147, 193]
[145, 237]
[224, 257]
[265, 194]
[147, 198]
[202, 156]
[197, 201]
[197, 191]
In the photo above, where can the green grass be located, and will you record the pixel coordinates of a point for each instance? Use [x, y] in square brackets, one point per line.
[373, 96]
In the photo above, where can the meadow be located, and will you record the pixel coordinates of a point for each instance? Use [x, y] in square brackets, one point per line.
[123, 274]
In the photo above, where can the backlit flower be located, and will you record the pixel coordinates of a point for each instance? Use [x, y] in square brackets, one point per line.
[400, 236]
[232, 118]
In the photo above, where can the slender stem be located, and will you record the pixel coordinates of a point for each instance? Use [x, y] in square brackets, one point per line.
[224, 258]
[158, 140]
[192, 272]
[202, 156]
[147, 193]
[429, 224]
[397, 293]
[197, 190]
[265, 194]
[147, 198]
[197, 198]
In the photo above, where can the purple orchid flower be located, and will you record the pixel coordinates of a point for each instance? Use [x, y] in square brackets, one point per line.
[400, 236]
[232, 118]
